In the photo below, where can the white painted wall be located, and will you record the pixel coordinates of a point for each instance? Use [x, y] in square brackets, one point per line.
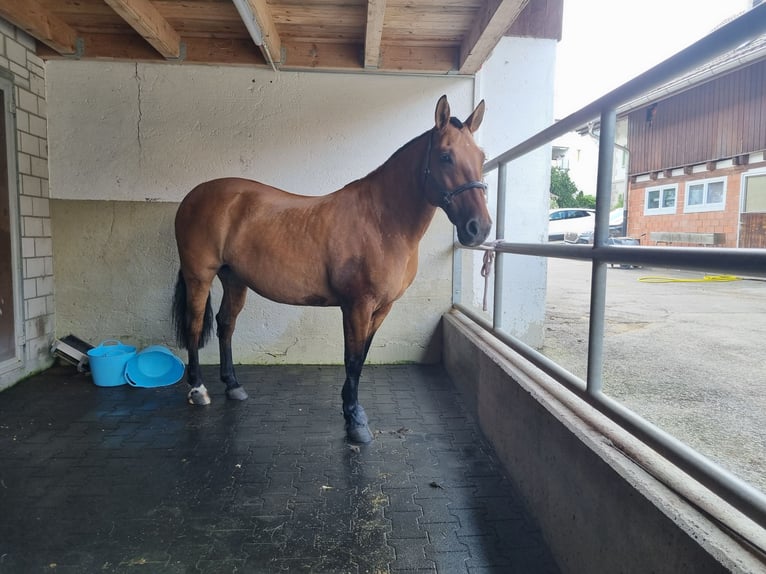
[518, 82]
[138, 132]
[126, 136]
[149, 133]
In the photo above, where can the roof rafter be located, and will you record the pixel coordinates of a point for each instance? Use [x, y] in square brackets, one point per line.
[41, 24]
[376, 11]
[493, 19]
[145, 19]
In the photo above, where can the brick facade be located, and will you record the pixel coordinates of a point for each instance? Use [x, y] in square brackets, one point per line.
[725, 221]
[26, 73]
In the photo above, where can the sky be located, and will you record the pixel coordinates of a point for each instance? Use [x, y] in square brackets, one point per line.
[608, 42]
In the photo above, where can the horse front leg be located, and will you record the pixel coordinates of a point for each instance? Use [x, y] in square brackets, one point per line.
[359, 327]
[356, 419]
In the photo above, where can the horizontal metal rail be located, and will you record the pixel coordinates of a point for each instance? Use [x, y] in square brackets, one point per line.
[741, 262]
[731, 488]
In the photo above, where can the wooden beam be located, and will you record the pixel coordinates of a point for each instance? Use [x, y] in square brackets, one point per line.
[376, 12]
[491, 22]
[121, 47]
[539, 19]
[144, 18]
[272, 43]
[33, 18]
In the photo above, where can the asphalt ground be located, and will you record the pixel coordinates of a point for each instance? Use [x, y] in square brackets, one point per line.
[687, 354]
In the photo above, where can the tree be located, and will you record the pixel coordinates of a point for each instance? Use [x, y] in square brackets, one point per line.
[564, 192]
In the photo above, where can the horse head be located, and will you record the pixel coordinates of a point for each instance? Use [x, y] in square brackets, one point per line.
[453, 173]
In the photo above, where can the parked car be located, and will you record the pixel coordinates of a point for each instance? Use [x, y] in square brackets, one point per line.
[569, 219]
[585, 236]
[616, 219]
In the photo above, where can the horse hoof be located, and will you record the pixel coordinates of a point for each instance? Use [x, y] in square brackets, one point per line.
[360, 434]
[236, 393]
[198, 396]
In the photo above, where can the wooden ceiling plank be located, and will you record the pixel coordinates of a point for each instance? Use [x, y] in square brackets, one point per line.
[41, 24]
[342, 15]
[491, 22]
[434, 60]
[213, 51]
[145, 19]
[324, 56]
[376, 12]
[272, 43]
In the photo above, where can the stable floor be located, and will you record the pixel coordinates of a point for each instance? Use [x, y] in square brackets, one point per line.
[121, 479]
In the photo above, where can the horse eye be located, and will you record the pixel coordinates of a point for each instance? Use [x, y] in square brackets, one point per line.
[445, 157]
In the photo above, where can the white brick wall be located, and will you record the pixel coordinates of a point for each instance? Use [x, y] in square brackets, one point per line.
[18, 58]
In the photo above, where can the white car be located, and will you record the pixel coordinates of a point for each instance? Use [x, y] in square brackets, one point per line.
[616, 217]
[570, 219]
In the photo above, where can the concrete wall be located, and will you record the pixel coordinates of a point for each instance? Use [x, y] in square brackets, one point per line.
[519, 79]
[128, 141]
[604, 501]
[23, 83]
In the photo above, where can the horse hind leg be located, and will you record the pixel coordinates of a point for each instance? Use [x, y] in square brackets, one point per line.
[193, 317]
[232, 302]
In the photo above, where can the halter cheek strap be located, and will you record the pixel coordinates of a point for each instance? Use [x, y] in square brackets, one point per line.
[447, 195]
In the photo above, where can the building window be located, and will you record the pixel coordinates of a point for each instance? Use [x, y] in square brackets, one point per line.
[661, 200]
[754, 192]
[706, 195]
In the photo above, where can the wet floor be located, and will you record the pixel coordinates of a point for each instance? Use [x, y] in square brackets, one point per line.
[121, 479]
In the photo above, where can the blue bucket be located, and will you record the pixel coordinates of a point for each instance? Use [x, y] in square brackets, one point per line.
[107, 362]
[155, 366]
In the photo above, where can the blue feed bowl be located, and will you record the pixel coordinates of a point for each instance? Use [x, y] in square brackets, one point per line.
[155, 366]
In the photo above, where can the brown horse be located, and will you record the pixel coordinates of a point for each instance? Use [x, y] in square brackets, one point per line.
[356, 248]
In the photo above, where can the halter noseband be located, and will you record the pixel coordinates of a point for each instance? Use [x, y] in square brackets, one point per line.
[446, 195]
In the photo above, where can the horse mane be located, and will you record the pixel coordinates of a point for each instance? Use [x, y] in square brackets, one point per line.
[453, 121]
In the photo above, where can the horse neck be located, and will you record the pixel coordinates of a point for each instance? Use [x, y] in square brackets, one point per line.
[398, 185]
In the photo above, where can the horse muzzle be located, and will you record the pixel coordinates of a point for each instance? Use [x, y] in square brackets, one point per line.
[474, 231]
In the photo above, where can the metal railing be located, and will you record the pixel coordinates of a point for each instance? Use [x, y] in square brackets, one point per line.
[738, 493]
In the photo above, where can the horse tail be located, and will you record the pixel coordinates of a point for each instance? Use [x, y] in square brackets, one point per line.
[179, 316]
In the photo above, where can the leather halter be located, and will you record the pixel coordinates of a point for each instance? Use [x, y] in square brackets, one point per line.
[447, 195]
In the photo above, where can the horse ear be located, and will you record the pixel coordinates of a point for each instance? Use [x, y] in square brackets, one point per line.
[442, 113]
[474, 120]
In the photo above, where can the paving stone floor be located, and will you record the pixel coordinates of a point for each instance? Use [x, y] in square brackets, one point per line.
[121, 479]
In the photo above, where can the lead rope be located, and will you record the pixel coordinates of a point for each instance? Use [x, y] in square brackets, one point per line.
[486, 271]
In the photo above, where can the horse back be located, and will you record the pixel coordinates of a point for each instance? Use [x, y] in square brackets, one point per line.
[304, 250]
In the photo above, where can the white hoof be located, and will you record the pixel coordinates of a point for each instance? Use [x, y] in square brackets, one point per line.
[198, 396]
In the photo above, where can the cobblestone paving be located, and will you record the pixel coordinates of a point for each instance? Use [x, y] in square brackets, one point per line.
[134, 480]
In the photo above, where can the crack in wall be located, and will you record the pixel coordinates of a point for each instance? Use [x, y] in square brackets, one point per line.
[140, 117]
